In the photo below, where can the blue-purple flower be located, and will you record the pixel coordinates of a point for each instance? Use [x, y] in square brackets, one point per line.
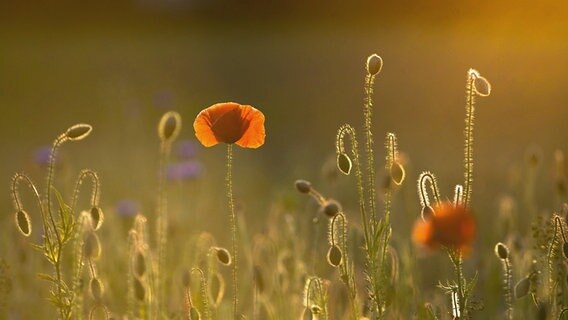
[127, 208]
[185, 170]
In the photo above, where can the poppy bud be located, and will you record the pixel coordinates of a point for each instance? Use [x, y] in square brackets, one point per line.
[223, 256]
[344, 163]
[24, 223]
[78, 132]
[334, 256]
[96, 289]
[169, 126]
[331, 208]
[139, 290]
[374, 64]
[139, 264]
[97, 217]
[501, 251]
[481, 86]
[303, 186]
[397, 173]
[522, 287]
[92, 246]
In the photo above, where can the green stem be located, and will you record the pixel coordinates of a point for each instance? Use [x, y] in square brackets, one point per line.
[233, 222]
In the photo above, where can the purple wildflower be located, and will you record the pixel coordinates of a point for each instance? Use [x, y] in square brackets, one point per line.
[186, 170]
[127, 208]
[42, 156]
[186, 149]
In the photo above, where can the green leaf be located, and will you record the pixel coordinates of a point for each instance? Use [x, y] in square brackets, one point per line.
[47, 277]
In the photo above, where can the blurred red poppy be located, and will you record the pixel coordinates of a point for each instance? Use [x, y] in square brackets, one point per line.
[450, 226]
[230, 122]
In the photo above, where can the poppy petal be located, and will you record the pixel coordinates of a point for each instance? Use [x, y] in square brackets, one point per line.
[206, 121]
[230, 122]
[254, 133]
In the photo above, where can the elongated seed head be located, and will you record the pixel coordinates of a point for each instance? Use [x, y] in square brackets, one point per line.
[303, 186]
[344, 163]
[334, 256]
[374, 64]
[169, 126]
[23, 223]
[78, 132]
[501, 251]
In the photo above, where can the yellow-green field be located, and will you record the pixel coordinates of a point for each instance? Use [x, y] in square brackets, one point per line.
[120, 66]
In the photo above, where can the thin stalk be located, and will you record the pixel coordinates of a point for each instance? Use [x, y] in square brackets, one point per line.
[233, 222]
[468, 153]
[162, 227]
[368, 113]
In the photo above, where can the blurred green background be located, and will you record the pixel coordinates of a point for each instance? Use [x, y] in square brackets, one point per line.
[119, 65]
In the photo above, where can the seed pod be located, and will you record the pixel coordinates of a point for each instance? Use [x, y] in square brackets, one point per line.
[303, 186]
[344, 163]
[501, 251]
[397, 173]
[169, 126]
[96, 289]
[97, 217]
[92, 246]
[139, 290]
[334, 256]
[223, 256]
[139, 264]
[331, 207]
[78, 132]
[216, 288]
[374, 64]
[481, 86]
[194, 314]
[23, 223]
[522, 287]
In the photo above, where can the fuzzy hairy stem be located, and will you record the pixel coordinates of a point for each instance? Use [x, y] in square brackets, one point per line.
[233, 222]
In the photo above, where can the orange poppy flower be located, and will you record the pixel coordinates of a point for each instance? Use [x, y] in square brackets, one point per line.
[230, 122]
[450, 226]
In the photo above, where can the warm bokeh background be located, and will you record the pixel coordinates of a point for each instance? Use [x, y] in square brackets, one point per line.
[120, 65]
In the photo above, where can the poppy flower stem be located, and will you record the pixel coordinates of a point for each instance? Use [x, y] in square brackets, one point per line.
[233, 222]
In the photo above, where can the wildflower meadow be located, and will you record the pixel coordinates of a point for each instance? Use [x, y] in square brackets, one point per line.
[218, 160]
